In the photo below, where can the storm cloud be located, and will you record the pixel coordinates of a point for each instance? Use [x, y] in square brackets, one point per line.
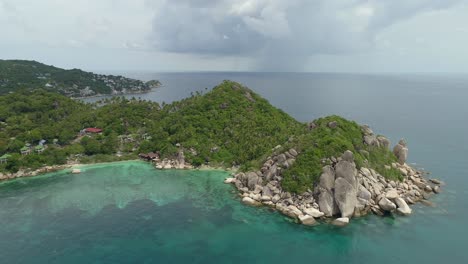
[278, 32]
[239, 35]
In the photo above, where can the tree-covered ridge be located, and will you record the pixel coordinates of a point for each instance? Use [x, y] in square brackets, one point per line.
[21, 74]
[229, 125]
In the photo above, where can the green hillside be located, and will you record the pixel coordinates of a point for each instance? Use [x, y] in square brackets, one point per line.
[21, 74]
[229, 125]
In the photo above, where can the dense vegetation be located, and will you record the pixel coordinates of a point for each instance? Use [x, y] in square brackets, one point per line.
[17, 74]
[324, 142]
[229, 125]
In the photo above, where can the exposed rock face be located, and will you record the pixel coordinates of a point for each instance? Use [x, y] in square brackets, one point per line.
[252, 180]
[401, 152]
[345, 185]
[327, 204]
[327, 179]
[338, 187]
[345, 196]
[326, 199]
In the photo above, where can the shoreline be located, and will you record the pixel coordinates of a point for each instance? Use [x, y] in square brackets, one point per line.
[27, 173]
[97, 96]
[368, 192]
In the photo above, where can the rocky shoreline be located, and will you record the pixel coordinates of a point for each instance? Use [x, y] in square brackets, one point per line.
[32, 173]
[342, 192]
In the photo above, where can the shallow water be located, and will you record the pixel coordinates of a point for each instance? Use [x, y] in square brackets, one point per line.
[130, 213]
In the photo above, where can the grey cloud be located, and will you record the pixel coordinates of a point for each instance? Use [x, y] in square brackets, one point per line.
[277, 30]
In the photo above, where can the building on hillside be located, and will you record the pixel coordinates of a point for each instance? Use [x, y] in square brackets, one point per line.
[39, 149]
[4, 158]
[25, 150]
[91, 130]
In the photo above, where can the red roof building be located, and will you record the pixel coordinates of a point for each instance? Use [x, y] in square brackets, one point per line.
[93, 130]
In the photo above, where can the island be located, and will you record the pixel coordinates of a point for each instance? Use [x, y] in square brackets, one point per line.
[23, 74]
[330, 169]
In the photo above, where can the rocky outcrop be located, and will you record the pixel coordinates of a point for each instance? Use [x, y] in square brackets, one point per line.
[342, 191]
[31, 173]
[401, 152]
[370, 139]
[177, 163]
[338, 187]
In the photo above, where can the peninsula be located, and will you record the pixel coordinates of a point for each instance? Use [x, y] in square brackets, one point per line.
[30, 75]
[330, 168]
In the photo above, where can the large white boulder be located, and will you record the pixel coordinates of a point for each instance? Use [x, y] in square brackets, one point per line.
[386, 205]
[403, 207]
[313, 212]
[343, 221]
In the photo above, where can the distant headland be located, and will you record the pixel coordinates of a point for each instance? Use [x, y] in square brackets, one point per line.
[75, 83]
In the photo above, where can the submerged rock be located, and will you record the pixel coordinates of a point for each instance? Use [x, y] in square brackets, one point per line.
[307, 220]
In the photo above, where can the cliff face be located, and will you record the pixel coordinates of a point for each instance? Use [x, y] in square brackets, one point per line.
[19, 74]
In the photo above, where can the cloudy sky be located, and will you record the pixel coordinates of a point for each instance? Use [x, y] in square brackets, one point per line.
[239, 35]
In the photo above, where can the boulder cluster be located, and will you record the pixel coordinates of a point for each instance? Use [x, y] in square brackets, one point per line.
[342, 192]
[177, 163]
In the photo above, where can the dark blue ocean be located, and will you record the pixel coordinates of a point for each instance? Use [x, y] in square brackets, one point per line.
[130, 213]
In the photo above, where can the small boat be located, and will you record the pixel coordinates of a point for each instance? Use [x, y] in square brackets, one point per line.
[76, 171]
